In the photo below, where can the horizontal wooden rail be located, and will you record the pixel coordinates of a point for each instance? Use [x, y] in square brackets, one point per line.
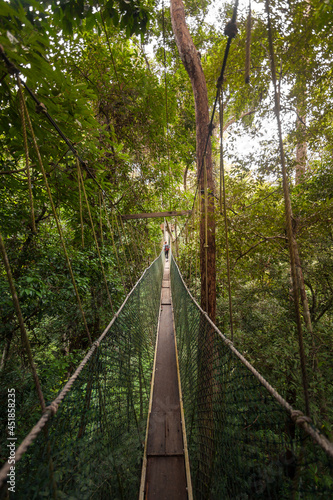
[157, 214]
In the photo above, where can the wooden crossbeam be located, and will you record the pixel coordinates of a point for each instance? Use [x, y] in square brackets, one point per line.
[157, 214]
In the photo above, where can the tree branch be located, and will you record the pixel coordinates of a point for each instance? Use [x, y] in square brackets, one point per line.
[247, 251]
[264, 239]
[235, 119]
[8, 172]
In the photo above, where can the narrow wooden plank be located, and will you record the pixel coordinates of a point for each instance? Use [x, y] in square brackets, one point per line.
[173, 434]
[157, 214]
[166, 393]
[156, 433]
[165, 296]
[165, 461]
[166, 479]
[165, 434]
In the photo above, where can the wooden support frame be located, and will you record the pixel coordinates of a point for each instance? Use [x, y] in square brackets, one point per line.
[157, 214]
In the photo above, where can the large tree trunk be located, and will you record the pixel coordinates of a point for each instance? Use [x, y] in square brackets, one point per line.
[191, 60]
[192, 63]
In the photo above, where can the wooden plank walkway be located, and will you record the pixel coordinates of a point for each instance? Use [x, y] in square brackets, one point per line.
[165, 474]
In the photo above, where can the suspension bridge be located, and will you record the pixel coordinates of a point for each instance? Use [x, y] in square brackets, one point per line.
[204, 425]
[163, 406]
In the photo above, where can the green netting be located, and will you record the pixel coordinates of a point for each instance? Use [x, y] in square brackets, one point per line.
[242, 443]
[95, 442]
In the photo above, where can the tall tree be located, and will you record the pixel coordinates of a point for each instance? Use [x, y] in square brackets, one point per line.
[192, 63]
[191, 60]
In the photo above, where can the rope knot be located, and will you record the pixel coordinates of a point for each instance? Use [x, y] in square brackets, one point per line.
[231, 29]
[211, 127]
[298, 417]
[220, 82]
[41, 108]
[52, 408]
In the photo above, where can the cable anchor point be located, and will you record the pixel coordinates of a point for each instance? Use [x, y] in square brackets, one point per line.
[231, 29]
[41, 108]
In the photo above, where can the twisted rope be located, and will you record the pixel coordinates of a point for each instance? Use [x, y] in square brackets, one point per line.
[24, 335]
[113, 243]
[95, 237]
[26, 152]
[62, 240]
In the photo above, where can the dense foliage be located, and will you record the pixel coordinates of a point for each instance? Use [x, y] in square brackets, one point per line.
[129, 112]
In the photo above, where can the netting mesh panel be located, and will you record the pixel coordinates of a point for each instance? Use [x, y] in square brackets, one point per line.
[242, 443]
[95, 442]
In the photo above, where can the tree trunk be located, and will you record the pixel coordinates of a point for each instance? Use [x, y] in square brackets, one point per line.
[191, 60]
[6, 349]
[192, 64]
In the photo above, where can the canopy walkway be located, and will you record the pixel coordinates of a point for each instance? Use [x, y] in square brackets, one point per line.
[162, 406]
[242, 439]
[164, 472]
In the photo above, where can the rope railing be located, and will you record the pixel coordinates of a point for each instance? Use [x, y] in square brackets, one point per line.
[96, 424]
[244, 439]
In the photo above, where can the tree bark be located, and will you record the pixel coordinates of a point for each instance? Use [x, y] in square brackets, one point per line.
[191, 60]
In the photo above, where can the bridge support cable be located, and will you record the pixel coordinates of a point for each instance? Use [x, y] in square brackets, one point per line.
[100, 217]
[60, 232]
[257, 445]
[95, 237]
[124, 237]
[13, 70]
[80, 202]
[166, 470]
[231, 32]
[27, 347]
[104, 462]
[111, 231]
[136, 244]
[24, 335]
[121, 239]
[26, 152]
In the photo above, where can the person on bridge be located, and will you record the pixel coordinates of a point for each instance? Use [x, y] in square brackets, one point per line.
[166, 250]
